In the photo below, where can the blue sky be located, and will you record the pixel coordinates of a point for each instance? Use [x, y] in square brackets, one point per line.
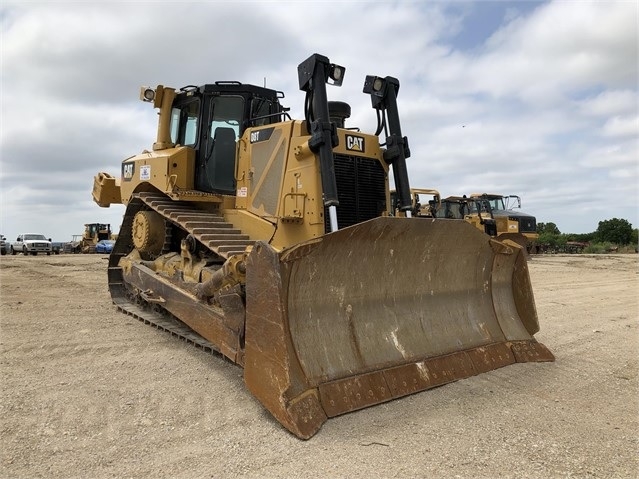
[537, 99]
[479, 20]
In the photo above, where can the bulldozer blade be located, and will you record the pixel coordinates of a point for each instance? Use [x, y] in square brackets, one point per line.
[380, 310]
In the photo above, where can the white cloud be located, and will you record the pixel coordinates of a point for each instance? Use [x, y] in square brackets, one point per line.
[610, 103]
[546, 108]
[620, 126]
[562, 47]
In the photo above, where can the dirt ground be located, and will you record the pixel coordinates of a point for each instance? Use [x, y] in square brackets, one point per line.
[87, 392]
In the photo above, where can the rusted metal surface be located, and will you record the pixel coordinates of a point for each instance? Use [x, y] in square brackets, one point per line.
[214, 329]
[271, 370]
[350, 315]
[207, 320]
[531, 351]
[349, 394]
[351, 319]
[328, 324]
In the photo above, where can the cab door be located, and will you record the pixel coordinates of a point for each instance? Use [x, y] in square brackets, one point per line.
[215, 163]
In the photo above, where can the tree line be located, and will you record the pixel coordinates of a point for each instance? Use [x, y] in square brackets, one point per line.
[610, 234]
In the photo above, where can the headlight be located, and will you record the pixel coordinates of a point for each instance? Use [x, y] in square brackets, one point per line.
[336, 74]
[147, 94]
[374, 85]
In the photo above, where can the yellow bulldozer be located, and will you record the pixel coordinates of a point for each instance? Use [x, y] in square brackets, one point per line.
[87, 241]
[425, 203]
[271, 241]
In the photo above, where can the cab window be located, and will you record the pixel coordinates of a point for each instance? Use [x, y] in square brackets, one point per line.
[184, 124]
[227, 112]
[261, 107]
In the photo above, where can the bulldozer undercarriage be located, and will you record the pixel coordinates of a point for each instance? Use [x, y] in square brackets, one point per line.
[153, 283]
[315, 336]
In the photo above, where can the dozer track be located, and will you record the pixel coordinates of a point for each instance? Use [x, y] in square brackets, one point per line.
[208, 228]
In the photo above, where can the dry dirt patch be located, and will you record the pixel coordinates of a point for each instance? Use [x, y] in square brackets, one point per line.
[89, 392]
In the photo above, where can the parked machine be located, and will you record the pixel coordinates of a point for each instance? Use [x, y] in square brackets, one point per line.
[425, 202]
[493, 214]
[510, 222]
[271, 241]
[93, 233]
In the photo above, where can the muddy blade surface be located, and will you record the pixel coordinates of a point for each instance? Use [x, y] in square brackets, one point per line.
[381, 310]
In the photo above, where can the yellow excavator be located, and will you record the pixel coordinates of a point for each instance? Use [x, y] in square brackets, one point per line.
[272, 241]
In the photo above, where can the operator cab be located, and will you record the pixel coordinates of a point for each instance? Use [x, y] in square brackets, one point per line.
[494, 203]
[211, 118]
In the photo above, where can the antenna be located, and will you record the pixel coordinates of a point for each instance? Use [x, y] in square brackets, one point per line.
[264, 82]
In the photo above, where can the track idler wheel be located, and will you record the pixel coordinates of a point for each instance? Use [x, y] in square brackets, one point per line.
[147, 231]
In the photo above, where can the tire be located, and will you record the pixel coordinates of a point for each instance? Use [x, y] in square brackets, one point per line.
[24, 250]
[35, 253]
[13, 252]
[48, 253]
[3, 251]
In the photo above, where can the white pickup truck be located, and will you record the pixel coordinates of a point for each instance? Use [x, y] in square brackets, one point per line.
[31, 244]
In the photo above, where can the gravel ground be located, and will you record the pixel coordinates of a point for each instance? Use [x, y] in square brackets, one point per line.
[88, 392]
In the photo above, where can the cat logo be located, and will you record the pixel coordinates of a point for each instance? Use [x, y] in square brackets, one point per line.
[355, 143]
[127, 171]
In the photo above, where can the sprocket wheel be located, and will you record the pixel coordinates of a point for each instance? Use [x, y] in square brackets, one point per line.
[148, 231]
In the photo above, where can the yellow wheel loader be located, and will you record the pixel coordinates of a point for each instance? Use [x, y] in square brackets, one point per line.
[271, 241]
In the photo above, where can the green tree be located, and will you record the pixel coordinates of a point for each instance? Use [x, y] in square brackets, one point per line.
[551, 240]
[548, 228]
[617, 231]
[581, 237]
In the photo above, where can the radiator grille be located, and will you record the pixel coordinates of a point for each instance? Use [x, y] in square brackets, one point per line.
[361, 190]
[527, 224]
